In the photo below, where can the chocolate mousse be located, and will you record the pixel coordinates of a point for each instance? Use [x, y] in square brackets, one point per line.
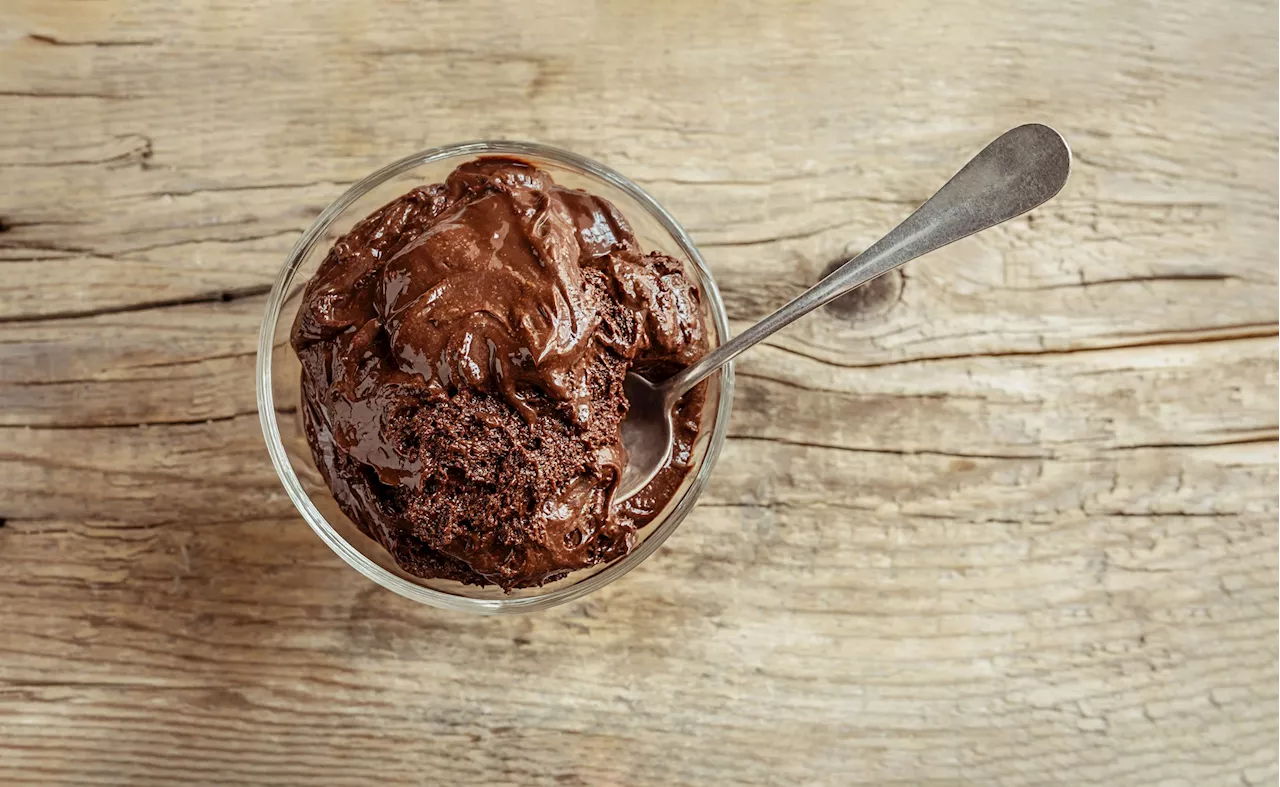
[463, 352]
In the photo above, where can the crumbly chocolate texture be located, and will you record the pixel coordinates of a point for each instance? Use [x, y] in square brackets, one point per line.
[463, 353]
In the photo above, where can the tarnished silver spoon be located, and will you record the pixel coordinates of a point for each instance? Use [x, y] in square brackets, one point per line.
[1023, 168]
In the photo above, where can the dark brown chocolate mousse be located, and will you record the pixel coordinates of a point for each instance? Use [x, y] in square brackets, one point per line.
[463, 352]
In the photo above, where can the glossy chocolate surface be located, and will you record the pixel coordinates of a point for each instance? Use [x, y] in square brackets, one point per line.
[463, 352]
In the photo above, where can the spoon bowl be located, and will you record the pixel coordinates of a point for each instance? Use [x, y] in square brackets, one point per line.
[647, 434]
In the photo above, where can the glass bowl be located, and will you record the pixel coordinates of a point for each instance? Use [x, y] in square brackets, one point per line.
[279, 374]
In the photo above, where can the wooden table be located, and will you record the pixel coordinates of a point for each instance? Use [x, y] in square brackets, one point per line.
[1008, 518]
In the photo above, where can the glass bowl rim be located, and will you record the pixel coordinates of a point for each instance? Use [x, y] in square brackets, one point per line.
[302, 501]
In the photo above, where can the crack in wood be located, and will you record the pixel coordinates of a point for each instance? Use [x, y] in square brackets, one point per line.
[240, 482]
[1140, 203]
[1263, 435]
[5, 226]
[141, 150]
[470, 55]
[42, 38]
[124, 255]
[736, 182]
[1168, 277]
[893, 201]
[64, 94]
[134, 424]
[36, 245]
[163, 378]
[114, 685]
[183, 362]
[254, 187]
[1269, 435]
[129, 253]
[735, 244]
[740, 374]
[1240, 332]
[819, 506]
[1167, 514]
[192, 241]
[893, 451]
[52, 257]
[223, 296]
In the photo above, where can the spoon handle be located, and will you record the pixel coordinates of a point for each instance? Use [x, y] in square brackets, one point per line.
[1021, 169]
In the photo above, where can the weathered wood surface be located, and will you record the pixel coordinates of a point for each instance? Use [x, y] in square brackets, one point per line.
[1008, 518]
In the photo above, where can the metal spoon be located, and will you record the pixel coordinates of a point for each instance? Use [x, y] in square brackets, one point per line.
[1023, 168]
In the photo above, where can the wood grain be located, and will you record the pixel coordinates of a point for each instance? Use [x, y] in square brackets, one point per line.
[1008, 518]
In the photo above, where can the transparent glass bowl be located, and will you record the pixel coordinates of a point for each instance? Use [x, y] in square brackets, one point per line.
[279, 374]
